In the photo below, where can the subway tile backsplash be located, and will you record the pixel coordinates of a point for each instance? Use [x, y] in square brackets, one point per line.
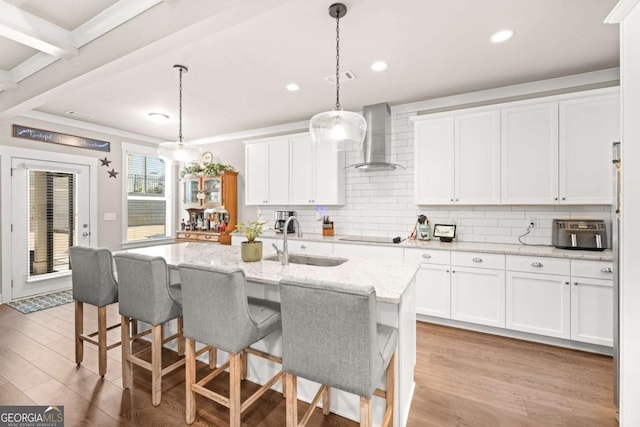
[382, 204]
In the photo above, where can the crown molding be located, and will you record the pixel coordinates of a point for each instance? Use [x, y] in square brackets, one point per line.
[620, 11]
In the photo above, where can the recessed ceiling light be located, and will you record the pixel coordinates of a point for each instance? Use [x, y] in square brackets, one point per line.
[158, 118]
[292, 87]
[501, 36]
[379, 66]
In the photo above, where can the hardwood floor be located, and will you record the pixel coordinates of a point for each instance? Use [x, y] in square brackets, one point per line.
[462, 378]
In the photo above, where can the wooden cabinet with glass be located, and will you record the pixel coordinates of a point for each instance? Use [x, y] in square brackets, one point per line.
[212, 205]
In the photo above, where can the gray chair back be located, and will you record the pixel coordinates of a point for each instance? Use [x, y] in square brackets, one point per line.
[216, 309]
[144, 288]
[329, 334]
[92, 277]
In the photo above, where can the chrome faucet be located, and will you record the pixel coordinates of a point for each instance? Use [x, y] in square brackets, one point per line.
[285, 246]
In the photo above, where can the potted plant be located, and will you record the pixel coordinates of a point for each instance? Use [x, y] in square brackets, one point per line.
[251, 250]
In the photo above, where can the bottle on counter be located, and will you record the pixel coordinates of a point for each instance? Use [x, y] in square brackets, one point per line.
[183, 225]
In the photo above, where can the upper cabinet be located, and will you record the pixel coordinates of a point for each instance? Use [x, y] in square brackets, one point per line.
[530, 154]
[266, 170]
[588, 127]
[290, 170]
[554, 150]
[316, 173]
[458, 158]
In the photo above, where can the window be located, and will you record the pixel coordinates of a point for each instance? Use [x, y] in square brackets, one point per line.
[148, 203]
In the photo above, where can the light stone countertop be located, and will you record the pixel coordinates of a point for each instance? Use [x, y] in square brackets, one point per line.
[497, 248]
[389, 278]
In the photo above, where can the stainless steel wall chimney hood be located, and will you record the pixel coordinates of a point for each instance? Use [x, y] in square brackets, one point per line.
[374, 147]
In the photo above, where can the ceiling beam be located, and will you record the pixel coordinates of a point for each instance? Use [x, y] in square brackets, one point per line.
[110, 18]
[35, 32]
[7, 81]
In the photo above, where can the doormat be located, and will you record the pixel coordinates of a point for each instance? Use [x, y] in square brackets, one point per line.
[42, 302]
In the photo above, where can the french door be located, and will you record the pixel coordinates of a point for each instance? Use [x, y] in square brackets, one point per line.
[50, 213]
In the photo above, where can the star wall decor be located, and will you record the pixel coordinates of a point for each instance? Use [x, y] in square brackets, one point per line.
[113, 174]
[105, 161]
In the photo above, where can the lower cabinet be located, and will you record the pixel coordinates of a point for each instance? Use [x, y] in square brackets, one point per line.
[539, 304]
[433, 295]
[592, 310]
[478, 296]
[563, 305]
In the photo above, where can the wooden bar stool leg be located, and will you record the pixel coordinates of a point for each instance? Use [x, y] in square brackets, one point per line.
[235, 371]
[244, 356]
[180, 336]
[156, 364]
[102, 340]
[190, 379]
[213, 357]
[291, 387]
[326, 401]
[365, 412]
[79, 317]
[391, 388]
[125, 338]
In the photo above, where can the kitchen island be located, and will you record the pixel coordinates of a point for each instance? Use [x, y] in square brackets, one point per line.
[393, 281]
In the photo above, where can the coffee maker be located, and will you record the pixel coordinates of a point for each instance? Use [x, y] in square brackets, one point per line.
[281, 218]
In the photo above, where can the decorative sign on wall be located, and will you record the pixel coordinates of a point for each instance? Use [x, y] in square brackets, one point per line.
[60, 138]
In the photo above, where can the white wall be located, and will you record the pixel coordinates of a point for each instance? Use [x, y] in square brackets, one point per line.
[382, 204]
[630, 248]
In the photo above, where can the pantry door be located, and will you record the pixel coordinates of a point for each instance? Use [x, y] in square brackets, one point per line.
[50, 213]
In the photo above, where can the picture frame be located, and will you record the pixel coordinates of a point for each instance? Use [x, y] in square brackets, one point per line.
[446, 232]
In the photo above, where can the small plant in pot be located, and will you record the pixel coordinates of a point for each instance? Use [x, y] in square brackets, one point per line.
[251, 250]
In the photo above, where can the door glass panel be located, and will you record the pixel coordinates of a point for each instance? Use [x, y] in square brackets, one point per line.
[51, 208]
[212, 189]
[191, 189]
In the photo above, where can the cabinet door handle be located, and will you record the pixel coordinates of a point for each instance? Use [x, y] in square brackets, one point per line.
[606, 270]
[536, 264]
[452, 200]
[566, 283]
[575, 283]
[476, 259]
[555, 198]
[426, 256]
[446, 271]
[303, 246]
[457, 200]
[208, 237]
[564, 198]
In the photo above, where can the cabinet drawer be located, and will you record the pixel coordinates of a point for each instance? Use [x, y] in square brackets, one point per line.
[368, 251]
[594, 269]
[545, 265]
[208, 237]
[186, 235]
[427, 256]
[478, 259]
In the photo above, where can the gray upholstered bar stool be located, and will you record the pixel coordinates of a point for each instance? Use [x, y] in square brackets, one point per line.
[330, 335]
[147, 295]
[94, 283]
[217, 312]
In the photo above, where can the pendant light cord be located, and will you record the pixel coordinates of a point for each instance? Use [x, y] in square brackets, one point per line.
[180, 70]
[338, 61]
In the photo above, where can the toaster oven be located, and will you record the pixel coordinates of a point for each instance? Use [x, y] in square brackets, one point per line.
[584, 234]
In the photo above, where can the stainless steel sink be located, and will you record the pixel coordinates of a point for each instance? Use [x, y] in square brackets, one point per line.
[319, 261]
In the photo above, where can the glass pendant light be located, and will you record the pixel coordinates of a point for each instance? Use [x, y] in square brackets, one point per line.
[338, 129]
[178, 150]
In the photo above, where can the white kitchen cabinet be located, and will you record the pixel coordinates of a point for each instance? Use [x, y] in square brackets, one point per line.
[433, 283]
[434, 161]
[592, 311]
[458, 158]
[539, 304]
[433, 290]
[530, 153]
[267, 172]
[588, 126]
[316, 173]
[478, 295]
